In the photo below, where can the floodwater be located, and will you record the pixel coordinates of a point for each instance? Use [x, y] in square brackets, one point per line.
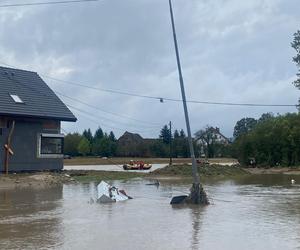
[115, 167]
[257, 212]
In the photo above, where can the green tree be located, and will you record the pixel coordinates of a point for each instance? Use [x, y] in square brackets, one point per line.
[180, 147]
[296, 45]
[244, 126]
[105, 145]
[165, 135]
[182, 134]
[88, 135]
[112, 136]
[98, 134]
[71, 143]
[159, 149]
[84, 147]
[207, 139]
[176, 134]
[273, 142]
[265, 117]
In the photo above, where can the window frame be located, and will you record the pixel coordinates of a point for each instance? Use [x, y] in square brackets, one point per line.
[39, 145]
[17, 99]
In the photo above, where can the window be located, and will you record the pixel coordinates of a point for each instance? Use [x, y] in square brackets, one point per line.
[51, 145]
[16, 98]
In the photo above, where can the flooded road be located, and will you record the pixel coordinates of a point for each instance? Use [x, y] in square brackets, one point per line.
[257, 212]
[112, 167]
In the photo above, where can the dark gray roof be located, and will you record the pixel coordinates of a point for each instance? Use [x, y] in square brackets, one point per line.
[39, 100]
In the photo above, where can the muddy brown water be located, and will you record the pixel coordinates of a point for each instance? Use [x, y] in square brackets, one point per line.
[257, 212]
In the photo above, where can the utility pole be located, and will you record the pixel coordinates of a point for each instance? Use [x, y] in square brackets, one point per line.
[170, 125]
[197, 195]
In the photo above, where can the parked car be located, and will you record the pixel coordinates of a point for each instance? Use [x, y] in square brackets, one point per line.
[67, 157]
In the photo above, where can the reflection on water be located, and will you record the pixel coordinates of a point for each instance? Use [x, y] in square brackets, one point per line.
[28, 217]
[257, 212]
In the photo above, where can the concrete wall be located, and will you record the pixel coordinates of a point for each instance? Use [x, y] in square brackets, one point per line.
[25, 146]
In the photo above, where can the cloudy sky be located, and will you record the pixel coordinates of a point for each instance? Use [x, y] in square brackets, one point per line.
[231, 51]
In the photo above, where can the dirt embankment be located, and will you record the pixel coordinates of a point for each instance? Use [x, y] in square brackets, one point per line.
[123, 160]
[185, 171]
[46, 179]
[33, 180]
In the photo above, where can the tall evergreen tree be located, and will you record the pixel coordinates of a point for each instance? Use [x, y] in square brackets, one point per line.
[88, 135]
[176, 134]
[112, 136]
[165, 135]
[182, 134]
[98, 134]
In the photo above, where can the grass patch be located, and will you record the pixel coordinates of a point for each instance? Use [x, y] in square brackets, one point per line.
[204, 171]
[97, 176]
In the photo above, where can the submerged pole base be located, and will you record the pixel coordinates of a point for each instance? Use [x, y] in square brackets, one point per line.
[197, 195]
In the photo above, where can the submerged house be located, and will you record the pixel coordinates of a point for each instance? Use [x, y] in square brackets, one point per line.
[30, 123]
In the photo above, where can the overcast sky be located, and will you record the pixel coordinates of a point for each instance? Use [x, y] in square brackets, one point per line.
[231, 51]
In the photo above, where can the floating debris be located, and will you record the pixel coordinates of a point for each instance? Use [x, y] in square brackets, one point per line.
[108, 193]
[197, 196]
[156, 183]
[178, 199]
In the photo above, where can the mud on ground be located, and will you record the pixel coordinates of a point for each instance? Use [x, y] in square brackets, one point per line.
[33, 180]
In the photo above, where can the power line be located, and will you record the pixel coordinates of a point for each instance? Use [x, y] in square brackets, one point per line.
[85, 113]
[162, 98]
[103, 118]
[102, 89]
[45, 3]
[170, 99]
[109, 120]
[108, 112]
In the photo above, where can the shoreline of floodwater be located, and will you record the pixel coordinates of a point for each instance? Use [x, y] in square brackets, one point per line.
[177, 172]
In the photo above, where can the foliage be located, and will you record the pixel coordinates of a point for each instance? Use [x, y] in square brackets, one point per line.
[98, 134]
[112, 136]
[244, 126]
[182, 134]
[266, 116]
[273, 142]
[296, 45]
[88, 135]
[180, 146]
[159, 149]
[209, 143]
[71, 143]
[165, 135]
[84, 146]
[176, 134]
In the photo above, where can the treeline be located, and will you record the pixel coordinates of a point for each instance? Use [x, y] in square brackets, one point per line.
[268, 141]
[129, 145]
[87, 144]
[174, 144]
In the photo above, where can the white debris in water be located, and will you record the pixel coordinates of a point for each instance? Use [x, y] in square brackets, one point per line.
[108, 193]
